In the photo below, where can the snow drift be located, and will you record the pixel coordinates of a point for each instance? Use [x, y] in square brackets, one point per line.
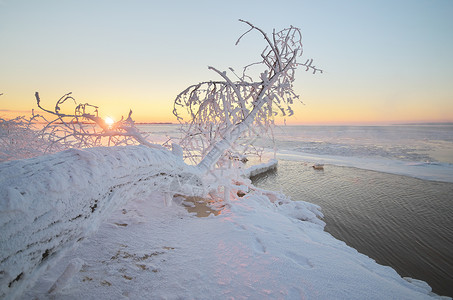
[48, 203]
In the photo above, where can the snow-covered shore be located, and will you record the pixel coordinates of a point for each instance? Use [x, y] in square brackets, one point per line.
[49, 203]
[131, 245]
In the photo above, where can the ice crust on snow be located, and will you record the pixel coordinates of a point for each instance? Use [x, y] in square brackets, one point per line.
[93, 224]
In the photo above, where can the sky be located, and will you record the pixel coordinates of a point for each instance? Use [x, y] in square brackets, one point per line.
[384, 61]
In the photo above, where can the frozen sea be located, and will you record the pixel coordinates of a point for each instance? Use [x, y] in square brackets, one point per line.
[384, 190]
[420, 151]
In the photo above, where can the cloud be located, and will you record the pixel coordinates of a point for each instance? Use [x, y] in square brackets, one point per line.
[14, 110]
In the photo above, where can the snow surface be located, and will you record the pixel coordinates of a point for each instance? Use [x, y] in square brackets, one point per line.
[260, 168]
[132, 245]
[49, 203]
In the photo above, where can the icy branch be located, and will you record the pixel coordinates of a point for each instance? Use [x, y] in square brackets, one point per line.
[84, 128]
[220, 118]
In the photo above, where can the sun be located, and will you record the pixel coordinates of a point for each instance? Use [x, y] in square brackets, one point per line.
[109, 121]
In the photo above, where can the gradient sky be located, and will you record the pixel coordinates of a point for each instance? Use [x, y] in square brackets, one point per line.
[384, 61]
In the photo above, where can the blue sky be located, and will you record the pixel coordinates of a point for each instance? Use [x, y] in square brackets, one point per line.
[384, 61]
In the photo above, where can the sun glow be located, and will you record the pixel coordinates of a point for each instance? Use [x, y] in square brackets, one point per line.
[109, 121]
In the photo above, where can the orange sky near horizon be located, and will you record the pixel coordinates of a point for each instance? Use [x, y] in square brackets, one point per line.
[339, 112]
[383, 62]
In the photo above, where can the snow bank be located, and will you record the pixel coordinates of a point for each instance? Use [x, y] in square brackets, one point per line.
[260, 168]
[49, 203]
[258, 247]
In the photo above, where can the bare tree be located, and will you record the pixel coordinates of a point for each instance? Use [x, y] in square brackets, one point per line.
[25, 137]
[84, 128]
[220, 113]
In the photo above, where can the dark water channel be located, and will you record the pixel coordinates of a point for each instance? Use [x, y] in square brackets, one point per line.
[399, 221]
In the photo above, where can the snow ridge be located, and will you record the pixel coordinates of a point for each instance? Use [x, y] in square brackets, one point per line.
[49, 203]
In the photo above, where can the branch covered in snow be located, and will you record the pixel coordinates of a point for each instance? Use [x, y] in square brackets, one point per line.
[222, 118]
[84, 128]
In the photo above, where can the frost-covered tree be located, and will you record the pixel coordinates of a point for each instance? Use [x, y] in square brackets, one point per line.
[84, 128]
[57, 130]
[217, 116]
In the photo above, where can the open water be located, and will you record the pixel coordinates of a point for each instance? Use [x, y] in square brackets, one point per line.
[400, 221]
